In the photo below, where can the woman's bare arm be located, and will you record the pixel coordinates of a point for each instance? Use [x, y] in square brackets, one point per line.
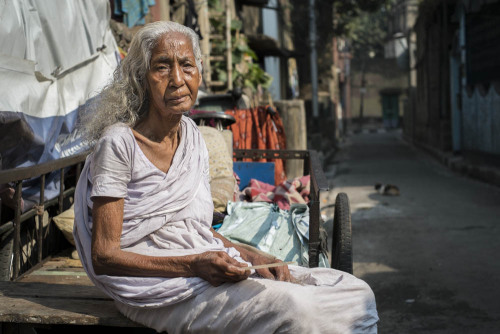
[109, 259]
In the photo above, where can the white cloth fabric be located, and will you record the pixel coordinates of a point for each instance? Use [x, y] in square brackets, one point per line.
[164, 214]
[169, 214]
[330, 301]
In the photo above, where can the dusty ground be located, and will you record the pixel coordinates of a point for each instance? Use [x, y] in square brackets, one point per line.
[431, 255]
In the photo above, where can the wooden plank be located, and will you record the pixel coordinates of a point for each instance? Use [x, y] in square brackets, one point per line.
[229, 52]
[57, 273]
[51, 311]
[215, 14]
[217, 83]
[56, 304]
[60, 270]
[217, 58]
[49, 290]
[293, 116]
[204, 24]
[59, 279]
[62, 262]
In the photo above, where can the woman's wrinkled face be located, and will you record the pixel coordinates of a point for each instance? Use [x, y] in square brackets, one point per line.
[173, 77]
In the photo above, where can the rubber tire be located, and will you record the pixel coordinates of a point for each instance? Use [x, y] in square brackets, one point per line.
[342, 232]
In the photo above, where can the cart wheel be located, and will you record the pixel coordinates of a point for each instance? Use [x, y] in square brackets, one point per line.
[342, 245]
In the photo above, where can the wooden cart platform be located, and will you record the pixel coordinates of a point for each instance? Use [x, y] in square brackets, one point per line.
[49, 292]
[58, 293]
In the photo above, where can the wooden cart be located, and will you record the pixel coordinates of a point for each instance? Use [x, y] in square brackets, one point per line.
[39, 289]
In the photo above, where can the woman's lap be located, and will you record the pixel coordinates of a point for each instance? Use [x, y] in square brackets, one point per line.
[345, 305]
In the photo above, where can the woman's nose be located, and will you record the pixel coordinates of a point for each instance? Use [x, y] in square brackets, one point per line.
[176, 78]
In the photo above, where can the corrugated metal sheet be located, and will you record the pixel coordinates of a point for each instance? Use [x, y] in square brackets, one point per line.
[481, 121]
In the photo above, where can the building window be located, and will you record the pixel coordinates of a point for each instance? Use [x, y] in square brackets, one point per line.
[482, 46]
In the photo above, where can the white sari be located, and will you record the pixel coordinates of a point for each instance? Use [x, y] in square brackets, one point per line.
[170, 214]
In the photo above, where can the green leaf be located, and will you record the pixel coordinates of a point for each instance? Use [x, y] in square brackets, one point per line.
[236, 24]
[248, 83]
[252, 54]
[221, 75]
[242, 47]
[237, 58]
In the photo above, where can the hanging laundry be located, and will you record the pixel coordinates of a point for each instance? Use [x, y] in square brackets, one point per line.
[184, 11]
[133, 11]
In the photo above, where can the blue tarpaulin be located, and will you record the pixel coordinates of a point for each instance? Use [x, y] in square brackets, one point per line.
[133, 11]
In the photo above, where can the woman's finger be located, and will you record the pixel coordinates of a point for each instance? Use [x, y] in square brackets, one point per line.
[264, 272]
[233, 269]
[282, 273]
[233, 261]
[236, 276]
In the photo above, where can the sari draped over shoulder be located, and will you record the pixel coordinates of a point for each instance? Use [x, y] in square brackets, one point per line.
[170, 214]
[165, 214]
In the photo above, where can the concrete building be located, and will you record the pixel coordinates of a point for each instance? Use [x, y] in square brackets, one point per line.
[457, 105]
[381, 83]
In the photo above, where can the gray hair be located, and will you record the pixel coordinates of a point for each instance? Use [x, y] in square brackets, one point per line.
[126, 99]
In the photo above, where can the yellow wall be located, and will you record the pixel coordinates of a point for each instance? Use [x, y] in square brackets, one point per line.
[381, 74]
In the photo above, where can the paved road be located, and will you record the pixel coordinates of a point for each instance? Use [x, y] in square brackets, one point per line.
[432, 254]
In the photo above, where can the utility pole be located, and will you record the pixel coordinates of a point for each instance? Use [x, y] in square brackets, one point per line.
[229, 52]
[362, 92]
[314, 65]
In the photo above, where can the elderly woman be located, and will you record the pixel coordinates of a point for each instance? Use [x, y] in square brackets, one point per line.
[143, 214]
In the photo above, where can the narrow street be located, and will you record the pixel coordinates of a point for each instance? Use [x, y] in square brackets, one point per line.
[430, 254]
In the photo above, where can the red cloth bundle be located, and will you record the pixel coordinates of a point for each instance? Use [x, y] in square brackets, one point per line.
[296, 190]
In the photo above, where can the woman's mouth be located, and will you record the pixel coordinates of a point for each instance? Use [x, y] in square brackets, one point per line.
[177, 100]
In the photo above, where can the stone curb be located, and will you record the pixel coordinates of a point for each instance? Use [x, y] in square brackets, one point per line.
[458, 164]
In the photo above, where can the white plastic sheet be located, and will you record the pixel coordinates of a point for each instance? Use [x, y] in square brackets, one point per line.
[55, 56]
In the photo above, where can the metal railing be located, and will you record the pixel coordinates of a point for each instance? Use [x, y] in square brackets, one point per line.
[319, 183]
[15, 177]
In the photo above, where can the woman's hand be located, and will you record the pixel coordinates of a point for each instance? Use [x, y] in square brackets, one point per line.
[280, 273]
[251, 255]
[218, 268]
